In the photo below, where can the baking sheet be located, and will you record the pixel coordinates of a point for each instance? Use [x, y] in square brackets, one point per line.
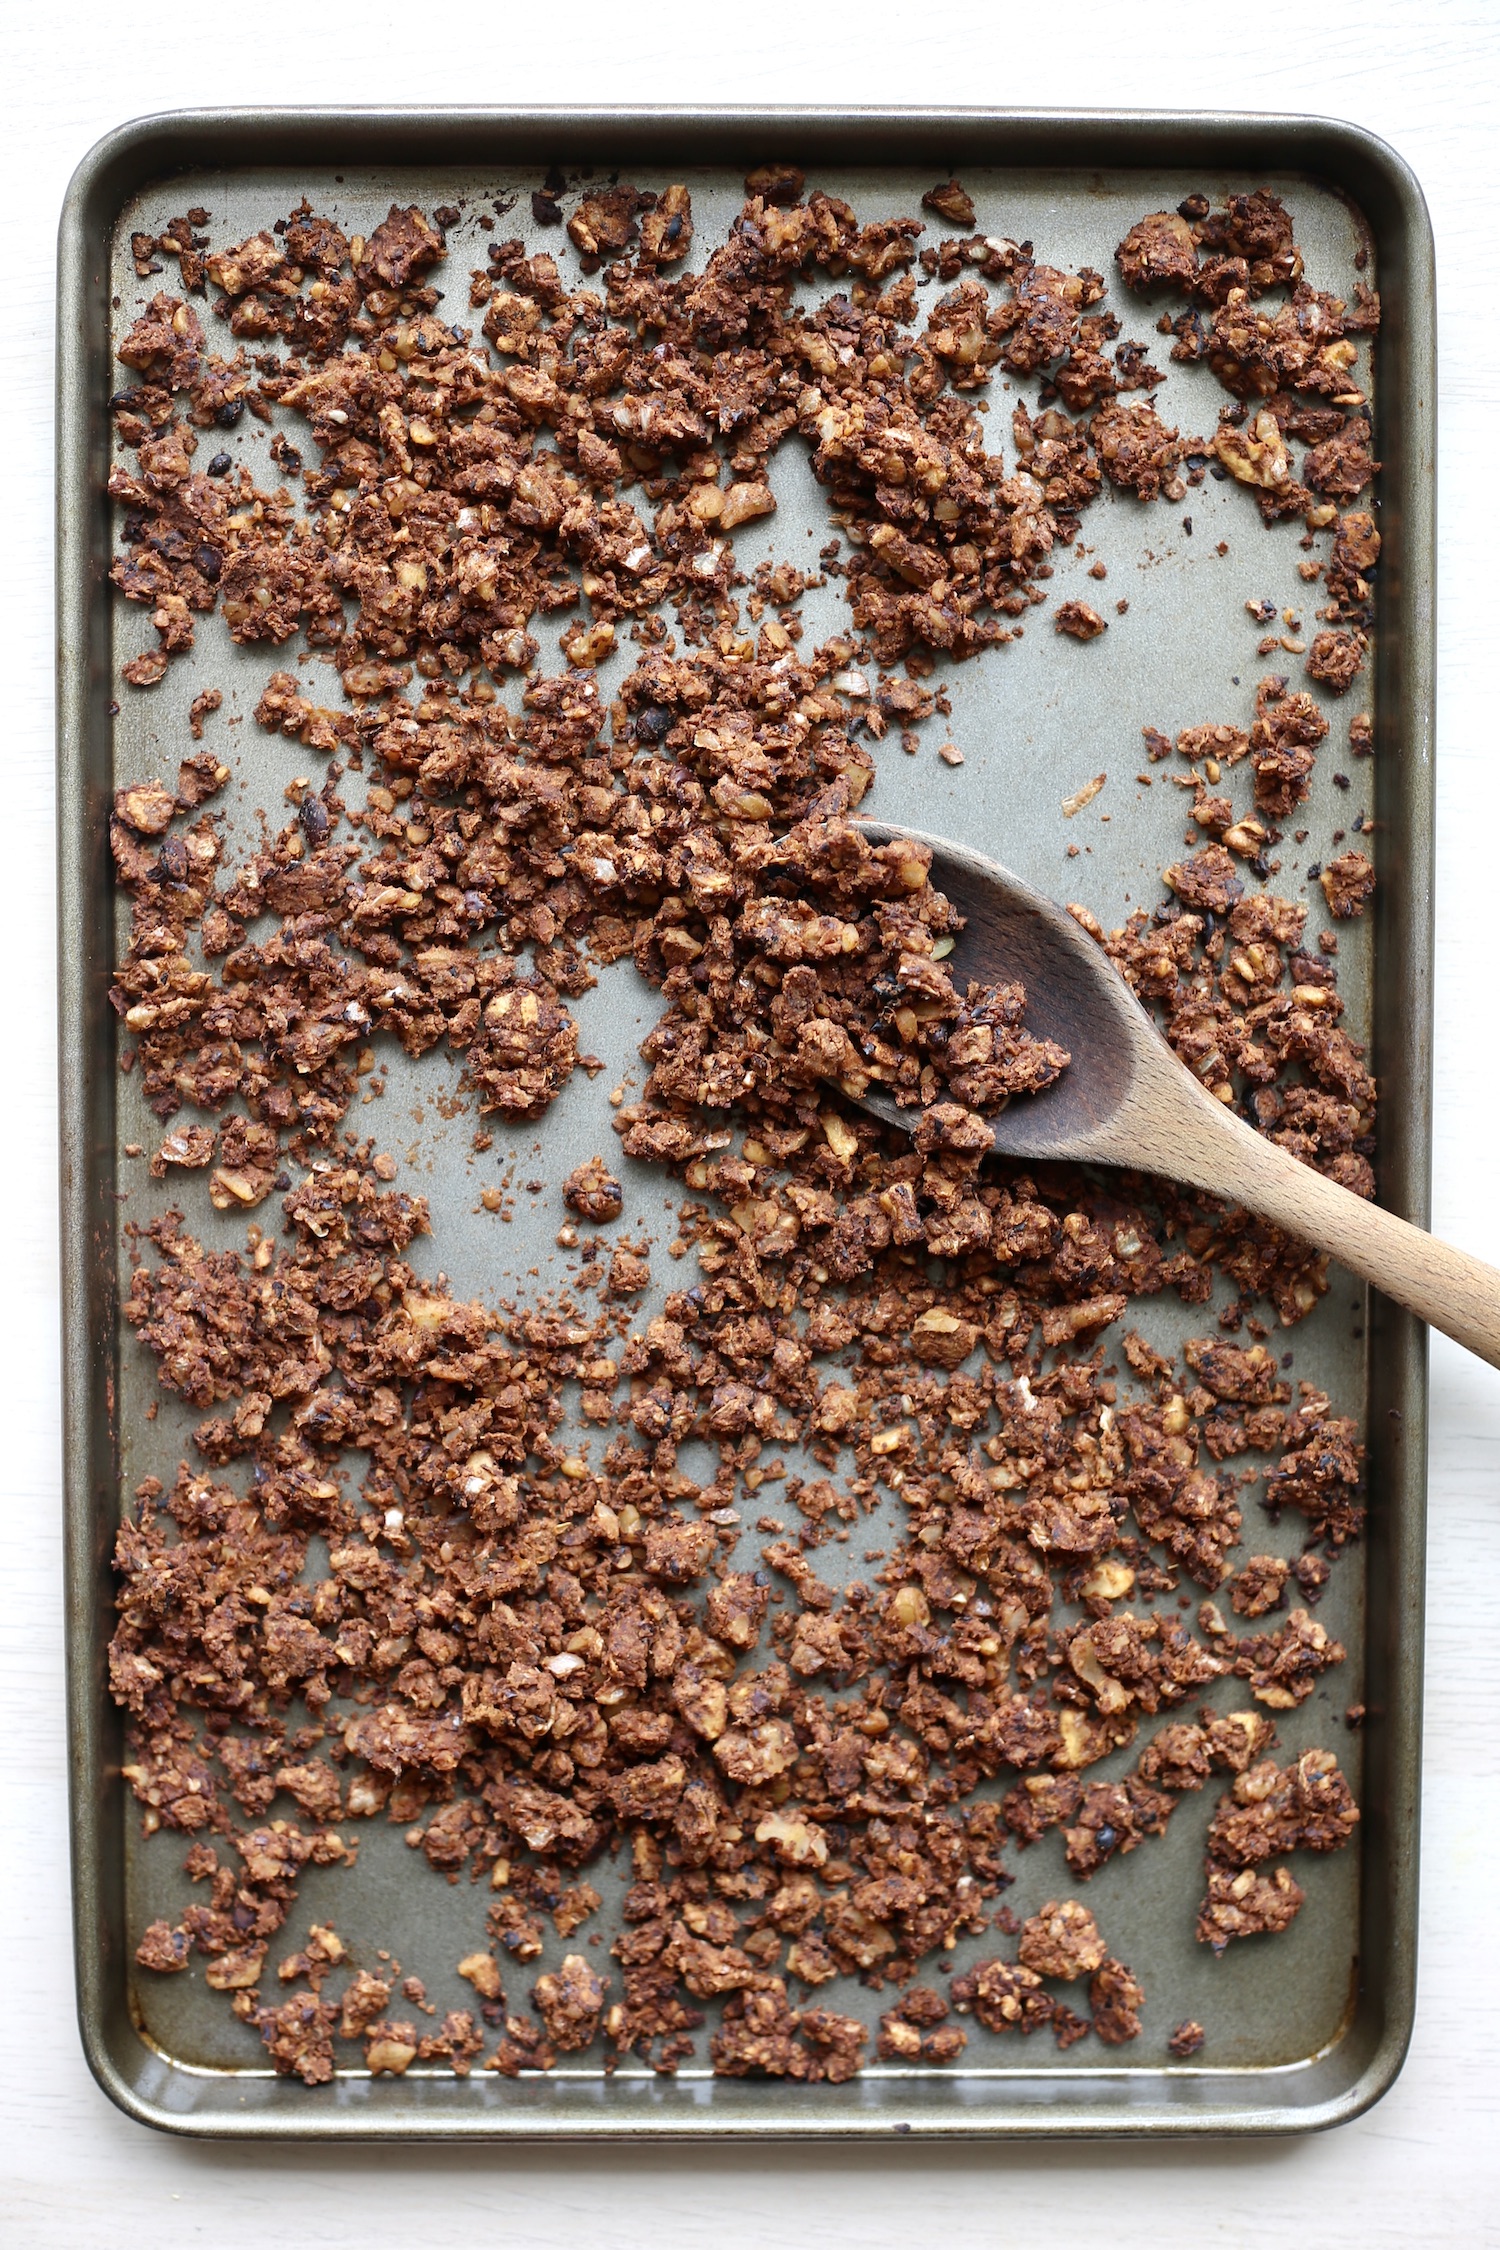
[1035, 720]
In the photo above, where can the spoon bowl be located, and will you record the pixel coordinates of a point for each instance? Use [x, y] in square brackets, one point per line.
[1012, 934]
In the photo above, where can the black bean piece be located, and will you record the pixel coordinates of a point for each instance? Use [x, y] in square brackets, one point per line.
[652, 724]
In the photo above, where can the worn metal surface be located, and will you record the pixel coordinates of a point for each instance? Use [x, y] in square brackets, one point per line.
[1301, 2032]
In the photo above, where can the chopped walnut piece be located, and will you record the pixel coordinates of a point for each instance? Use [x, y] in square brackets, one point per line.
[950, 202]
[390, 2050]
[1256, 455]
[483, 1972]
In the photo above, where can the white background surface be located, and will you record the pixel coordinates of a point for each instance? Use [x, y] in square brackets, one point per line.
[1422, 2167]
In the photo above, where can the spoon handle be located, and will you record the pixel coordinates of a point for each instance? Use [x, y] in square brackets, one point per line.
[1445, 1287]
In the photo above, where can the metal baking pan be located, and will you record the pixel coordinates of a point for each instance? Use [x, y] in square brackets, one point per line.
[1304, 2032]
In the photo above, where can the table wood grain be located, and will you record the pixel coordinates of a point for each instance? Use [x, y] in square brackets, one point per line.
[1422, 2167]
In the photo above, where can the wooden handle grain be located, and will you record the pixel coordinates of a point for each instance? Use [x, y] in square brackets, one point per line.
[1451, 1291]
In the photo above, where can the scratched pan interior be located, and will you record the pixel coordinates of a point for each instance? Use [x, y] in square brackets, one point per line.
[1302, 2031]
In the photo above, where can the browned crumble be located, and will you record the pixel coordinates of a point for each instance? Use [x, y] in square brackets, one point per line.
[1303, 1807]
[1336, 660]
[532, 1658]
[1078, 620]
[1347, 884]
[593, 1192]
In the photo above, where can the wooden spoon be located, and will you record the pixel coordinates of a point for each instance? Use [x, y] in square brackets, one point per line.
[1126, 1099]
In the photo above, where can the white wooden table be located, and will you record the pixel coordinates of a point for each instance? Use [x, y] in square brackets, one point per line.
[1422, 2168]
